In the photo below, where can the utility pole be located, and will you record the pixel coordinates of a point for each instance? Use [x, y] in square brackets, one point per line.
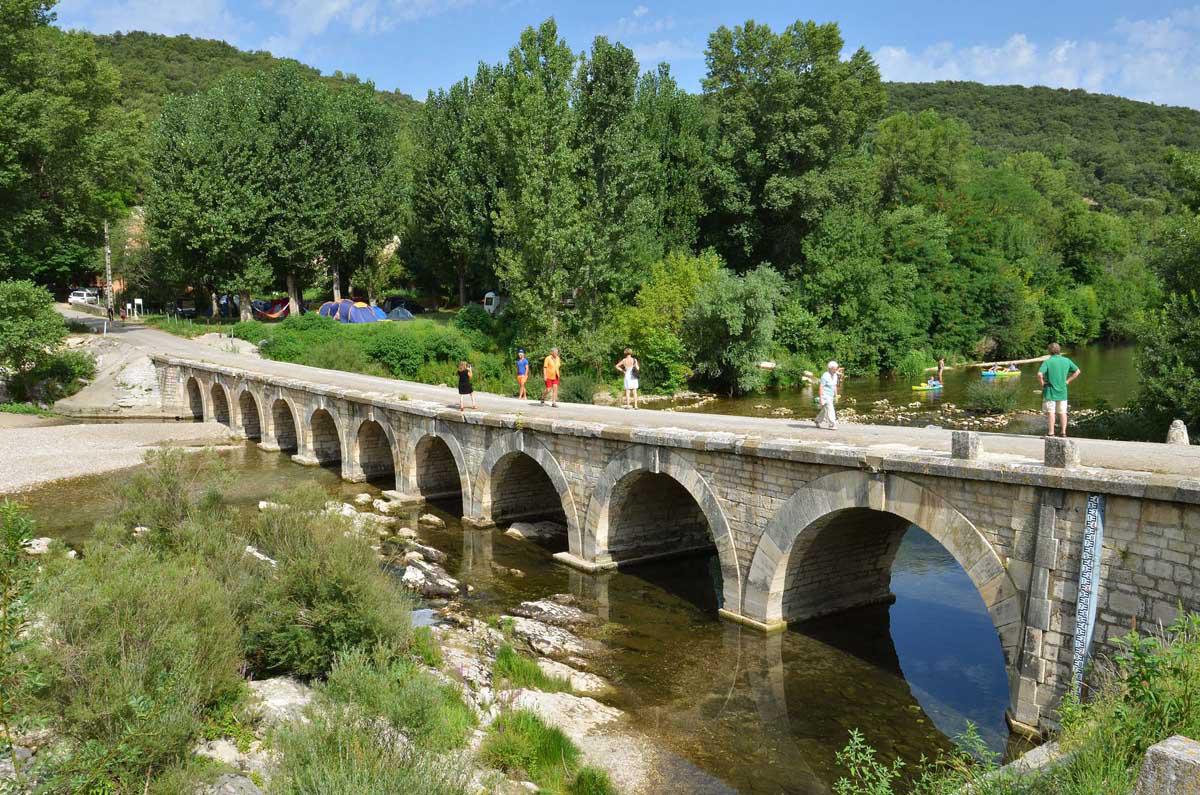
[108, 290]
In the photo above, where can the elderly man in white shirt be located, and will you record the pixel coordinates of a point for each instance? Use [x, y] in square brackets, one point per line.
[830, 385]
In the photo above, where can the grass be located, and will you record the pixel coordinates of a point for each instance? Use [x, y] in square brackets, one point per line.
[517, 671]
[992, 398]
[186, 327]
[25, 408]
[520, 743]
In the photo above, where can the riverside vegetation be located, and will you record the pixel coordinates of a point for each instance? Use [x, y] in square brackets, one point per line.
[117, 663]
[35, 367]
[1149, 692]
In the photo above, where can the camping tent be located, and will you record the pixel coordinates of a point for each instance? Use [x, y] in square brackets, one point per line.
[347, 311]
[399, 313]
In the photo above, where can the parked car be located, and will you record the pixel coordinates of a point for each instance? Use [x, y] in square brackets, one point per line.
[88, 297]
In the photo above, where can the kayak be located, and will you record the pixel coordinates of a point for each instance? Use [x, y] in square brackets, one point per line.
[1001, 374]
[926, 388]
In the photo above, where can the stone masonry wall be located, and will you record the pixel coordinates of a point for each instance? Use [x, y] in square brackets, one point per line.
[437, 474]
[656, 516]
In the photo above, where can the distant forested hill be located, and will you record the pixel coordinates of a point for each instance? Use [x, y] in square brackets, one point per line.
[1119, 145]
[154, 67]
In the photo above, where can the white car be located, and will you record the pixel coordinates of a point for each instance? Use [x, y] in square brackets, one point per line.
[83, 297]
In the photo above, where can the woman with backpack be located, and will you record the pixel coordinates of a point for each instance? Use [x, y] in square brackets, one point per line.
[629, 368]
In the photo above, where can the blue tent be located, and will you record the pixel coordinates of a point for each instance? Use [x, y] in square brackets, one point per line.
[399, 313]
[347, 311]
[379, 313]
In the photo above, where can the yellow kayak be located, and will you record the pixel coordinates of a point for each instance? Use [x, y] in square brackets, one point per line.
[926, 388]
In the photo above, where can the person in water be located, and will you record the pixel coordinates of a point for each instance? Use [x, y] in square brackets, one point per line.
[941, 368]
[464, 386]
[1054, 375]
[1012, 367]
[628, 368]
[522, 373]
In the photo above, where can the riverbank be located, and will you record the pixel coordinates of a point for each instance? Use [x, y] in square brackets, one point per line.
[45, 452]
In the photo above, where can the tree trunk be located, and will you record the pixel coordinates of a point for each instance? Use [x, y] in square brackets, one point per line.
[293, 295]
[108, 285]
[216, 306]
[462, 286]
[337, 284]
[370, 296]
[245, 312]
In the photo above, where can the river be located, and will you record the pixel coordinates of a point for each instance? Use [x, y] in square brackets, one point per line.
[765, 714]
[1109, 379]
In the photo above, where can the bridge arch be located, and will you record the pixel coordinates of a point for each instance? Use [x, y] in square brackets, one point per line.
[195, 398]
[374, 451]
[823, 552]
[249, 418]
[436, 467]
[284, 428]
[519, 458]
[325, 439]
[669, 491]
[220, 404]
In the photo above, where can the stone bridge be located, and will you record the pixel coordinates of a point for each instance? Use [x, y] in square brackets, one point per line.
[802, 527]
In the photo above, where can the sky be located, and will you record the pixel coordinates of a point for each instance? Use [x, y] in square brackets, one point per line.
[1146, 50]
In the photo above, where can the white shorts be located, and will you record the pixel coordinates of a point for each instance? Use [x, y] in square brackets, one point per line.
[1054, 407]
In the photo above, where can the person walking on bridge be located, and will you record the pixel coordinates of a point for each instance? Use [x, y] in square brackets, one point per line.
[551, 372]
[1054, 375]
[522, 373]
[831, 382]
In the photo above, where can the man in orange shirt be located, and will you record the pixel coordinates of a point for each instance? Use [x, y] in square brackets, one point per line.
[551, 369]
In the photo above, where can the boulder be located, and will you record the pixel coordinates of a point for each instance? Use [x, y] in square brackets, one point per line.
[267, 505]
[406, 533]
[363, 499]
[553, 612]
[581, 681]
[536, 531]
[382, 506]
[254, 553]
[429, 520]
[37, 546]
[1171, 767]
[1177, 433]
[341, 509]
[429, 580]
[426, 552]
[547, 640]
[281, 699]
[223, 751]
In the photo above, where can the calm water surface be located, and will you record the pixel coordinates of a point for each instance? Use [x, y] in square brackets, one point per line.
[1109, 379]
[763, 713]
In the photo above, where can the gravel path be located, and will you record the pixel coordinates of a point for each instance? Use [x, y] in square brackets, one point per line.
[35, 455]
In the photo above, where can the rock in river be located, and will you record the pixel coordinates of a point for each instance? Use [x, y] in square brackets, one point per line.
[429, 580]
[536, 531]
[553, 612]
[547, 640]
[429, 520]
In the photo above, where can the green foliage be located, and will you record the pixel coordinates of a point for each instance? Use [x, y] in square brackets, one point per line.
[138, 649]
[516, 671]
[339, 751]
[913, 364]
[578, 388]
[867, 775]
[992, 396]
[171, 488]
[326, 594]
[30, 330]
[16, 579]
[385, 684]
[730, 327]
[24, 408]
[520, 742]
[56, 377]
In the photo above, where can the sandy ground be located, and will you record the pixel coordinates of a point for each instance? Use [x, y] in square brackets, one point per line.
[34, 454]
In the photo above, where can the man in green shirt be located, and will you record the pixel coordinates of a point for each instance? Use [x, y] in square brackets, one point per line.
[1054, 375]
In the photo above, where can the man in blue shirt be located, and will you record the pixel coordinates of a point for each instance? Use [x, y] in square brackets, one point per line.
[522, 373]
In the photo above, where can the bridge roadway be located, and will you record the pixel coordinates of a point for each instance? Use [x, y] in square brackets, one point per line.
[804, 522]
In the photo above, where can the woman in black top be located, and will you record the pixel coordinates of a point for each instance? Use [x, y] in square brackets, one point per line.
[464, 386]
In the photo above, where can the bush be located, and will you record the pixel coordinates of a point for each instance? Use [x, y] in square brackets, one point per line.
[913, 364]
[55, 377]
[253, 331]
[170, 488]
[341, 354]
[384, 684]
[295, 335]
[520, 742]
[992, 398]
[30, 330]
[474, 319]
[578, 388]
[138, 649]
[516, 671]
[326, 594]
[337, 751]
[789, 371]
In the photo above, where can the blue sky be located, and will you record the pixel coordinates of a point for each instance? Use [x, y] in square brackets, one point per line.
[1146, 50]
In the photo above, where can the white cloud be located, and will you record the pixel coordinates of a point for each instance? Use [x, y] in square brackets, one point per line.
[1157, 60]
[199, 18]
[305, 19]
[641, 11]
[652, 53]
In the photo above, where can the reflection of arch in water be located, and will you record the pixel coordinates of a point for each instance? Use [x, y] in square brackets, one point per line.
[831, 545]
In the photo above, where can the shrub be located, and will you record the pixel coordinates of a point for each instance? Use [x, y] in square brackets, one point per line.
[295, 335]
[517, 671]
[474, 318]
[789, 370]
[173, 486]
[30, 330]
[520, 742]
[338, 751]
[341, 354]
[913, 364]
[253, 331]
[400, 353]
[578, 388]
[384, 684]
[326, 594]
[992, 398]
[55, 377]
[138, 649]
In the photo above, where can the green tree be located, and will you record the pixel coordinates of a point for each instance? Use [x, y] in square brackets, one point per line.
[730, 327]
[31, 332]
[539, 222]
[787, 110]
[66, 161]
